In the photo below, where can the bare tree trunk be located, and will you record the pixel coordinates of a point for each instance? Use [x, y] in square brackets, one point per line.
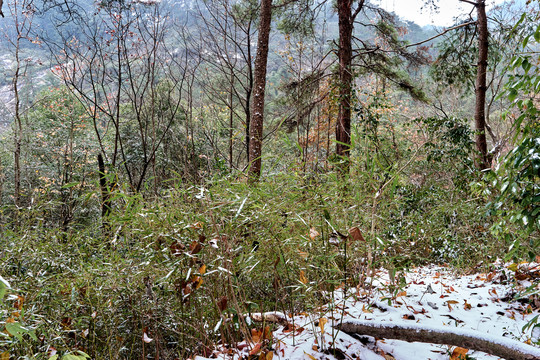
[231, 117]
[105, 194]
[482, 161]
[345, 55]
[17, 132]
[257, 106]
[22, 13]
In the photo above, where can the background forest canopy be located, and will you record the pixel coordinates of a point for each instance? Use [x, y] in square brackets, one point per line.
[169, 162]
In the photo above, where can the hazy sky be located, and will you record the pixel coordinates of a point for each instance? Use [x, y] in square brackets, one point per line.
[448, 10]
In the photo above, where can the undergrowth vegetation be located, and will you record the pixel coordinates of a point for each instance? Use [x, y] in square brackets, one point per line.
[171, 276]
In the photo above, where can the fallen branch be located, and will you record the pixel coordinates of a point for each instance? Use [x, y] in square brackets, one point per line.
[470, 339]
[272, 317]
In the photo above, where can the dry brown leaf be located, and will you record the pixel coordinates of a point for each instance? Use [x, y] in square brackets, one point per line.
[402, 293]
[197, 225]
[177, 248]
[222, 304]
[4, 355]
[356, 234]
[18, 304]
[269, 355]
[310, 356]
[255, 349]
[195, 247]
[255, 335]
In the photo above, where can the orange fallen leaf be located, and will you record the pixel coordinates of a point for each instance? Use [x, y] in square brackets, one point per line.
[197, 282]
[202, 269]
[303, 278]
[459, 353]
[364, 310]
[255, 349]
[313, 233]
[322, 322]
[267, 333]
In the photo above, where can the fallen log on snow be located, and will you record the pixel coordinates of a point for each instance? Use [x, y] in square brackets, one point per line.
[272, 317]
[469, 339]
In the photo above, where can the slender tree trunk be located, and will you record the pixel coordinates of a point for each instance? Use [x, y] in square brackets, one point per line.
[343, 125]
[479, 112]
[257, 106]
[17, 138]
[249, 94]
[231, 117]
[105, 194]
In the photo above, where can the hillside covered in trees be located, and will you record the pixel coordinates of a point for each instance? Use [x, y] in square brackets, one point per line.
[185, 178]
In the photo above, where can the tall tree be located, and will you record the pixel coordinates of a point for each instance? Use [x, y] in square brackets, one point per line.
[482, 161]
[259, 85]
[480, 90]
[22, 13]
[369, 58]
[346, 18]
[228, 30]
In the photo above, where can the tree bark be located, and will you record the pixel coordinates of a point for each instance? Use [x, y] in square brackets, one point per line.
[481, 87]
[257, 106]
[469, 339]
[345, 55]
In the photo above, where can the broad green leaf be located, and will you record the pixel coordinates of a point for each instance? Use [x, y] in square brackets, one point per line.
[16, 330]
[71, 184]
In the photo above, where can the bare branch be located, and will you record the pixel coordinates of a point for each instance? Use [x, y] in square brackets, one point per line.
[442, 33]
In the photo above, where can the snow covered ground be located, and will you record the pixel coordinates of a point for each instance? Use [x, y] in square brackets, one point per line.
[432, 297]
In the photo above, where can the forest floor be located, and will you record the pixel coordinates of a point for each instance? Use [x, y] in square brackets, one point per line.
[501, 306]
